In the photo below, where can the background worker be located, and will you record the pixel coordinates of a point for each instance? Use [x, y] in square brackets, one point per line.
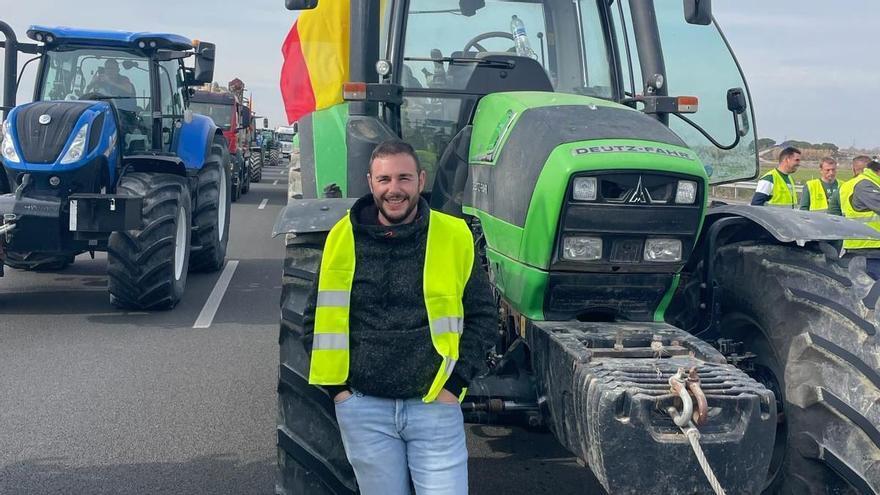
[819, 191]
[858, 165]
[401, 318]
[776, 188]
[860, 201]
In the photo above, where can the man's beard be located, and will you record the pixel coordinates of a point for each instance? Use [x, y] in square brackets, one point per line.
[392, 218]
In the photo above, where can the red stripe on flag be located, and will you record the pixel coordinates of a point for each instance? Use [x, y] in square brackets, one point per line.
[296, 87]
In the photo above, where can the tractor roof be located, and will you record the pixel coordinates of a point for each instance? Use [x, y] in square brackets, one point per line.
[55, 35]
[216, 97]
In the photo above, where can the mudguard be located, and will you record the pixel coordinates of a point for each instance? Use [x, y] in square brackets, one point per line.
[798, 226]
[194, 143]
[305, 216]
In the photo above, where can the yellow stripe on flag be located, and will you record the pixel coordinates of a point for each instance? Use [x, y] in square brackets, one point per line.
[324, 33]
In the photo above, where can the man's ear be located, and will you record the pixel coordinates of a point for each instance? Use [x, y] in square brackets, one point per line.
[423, 179]
[370, 181]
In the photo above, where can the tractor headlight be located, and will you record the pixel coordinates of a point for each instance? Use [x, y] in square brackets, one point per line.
[686, 192]
[584, 189]
[8, 147]
[663, 250]
[78, 147]
[581, 248]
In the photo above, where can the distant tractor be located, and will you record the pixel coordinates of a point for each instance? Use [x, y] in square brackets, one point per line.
[109, 157]
[229, 114]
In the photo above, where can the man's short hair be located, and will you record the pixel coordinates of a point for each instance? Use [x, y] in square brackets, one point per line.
[829, 161]
[394, 147]
[862, 160]
[787, 152]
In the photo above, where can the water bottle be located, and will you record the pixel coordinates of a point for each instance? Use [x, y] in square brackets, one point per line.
[518, 30]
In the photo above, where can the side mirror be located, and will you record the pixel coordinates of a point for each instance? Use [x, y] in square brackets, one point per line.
[736, 100]
[204, 67]
[300, 4]
[470, 7]
[296, 127]
[698, 12]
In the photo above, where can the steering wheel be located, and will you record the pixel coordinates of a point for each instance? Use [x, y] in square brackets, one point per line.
[475, 41]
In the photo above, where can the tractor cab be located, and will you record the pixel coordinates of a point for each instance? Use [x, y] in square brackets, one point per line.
[140, 75]
[450, 54]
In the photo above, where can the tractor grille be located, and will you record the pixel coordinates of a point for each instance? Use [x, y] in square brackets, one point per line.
[42, 143]
[630, 207]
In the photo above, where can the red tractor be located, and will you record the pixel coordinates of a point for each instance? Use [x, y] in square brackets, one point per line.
[230, 114]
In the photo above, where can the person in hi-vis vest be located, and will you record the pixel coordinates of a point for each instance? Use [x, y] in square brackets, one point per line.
[858, 166]
[401, 317]
[818, 192]
[860, 201]
[776, 188]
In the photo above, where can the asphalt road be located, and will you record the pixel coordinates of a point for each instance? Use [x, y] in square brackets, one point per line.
[94, 400]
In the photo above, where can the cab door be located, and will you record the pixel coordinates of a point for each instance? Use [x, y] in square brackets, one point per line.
[699, 62]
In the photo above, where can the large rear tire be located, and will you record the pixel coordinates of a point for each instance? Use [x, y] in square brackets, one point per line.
[38, 262]
[311, 458]
[811, 322]
[211, 217]
[147, 267]
[256, 161]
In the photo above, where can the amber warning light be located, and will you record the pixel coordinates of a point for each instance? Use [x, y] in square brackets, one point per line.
[688, 104]
[354, 91]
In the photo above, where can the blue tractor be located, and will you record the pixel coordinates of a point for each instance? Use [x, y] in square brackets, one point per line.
[108, 157]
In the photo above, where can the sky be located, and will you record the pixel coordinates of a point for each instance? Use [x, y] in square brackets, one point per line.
[810, 64]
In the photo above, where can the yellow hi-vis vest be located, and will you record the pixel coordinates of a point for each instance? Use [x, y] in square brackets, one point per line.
[818, 198]
[867, 217]
[784, 195]
[449, 258]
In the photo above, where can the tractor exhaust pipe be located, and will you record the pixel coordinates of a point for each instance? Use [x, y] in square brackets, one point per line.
[10, 67]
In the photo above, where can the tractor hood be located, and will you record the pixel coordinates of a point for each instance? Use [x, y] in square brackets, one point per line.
[49, 126]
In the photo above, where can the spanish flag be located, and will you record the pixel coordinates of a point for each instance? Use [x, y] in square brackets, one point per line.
[315, 59]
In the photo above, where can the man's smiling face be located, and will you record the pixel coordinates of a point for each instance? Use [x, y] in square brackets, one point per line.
[396, 183]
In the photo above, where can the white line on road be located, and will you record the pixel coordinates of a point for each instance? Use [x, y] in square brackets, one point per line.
[275, 183]
[263, 203]
[213, 303]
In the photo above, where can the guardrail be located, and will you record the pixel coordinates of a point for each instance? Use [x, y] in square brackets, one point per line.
[739, 191]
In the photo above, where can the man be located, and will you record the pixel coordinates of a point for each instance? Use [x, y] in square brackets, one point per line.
[399, 322]
[109, 82]
[858, 166]
[820, 190]
[776, 188]
[860, 201]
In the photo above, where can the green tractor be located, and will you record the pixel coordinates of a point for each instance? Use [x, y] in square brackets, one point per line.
[560, 132]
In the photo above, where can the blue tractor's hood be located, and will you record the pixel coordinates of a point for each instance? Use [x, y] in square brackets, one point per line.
[59, 35]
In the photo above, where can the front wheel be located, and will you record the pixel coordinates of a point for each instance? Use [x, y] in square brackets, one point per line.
[211, 217]
[810, 322]
[147, 267]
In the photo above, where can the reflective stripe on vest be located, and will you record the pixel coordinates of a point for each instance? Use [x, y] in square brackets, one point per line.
[449, 258]
[867, 217]
[784, 195]
[818, 198]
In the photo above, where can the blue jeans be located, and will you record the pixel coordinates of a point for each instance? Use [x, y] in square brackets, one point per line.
[390, 441]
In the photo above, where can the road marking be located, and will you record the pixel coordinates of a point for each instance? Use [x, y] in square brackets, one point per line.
[213, 303]
[275, 183]
[263, 203]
